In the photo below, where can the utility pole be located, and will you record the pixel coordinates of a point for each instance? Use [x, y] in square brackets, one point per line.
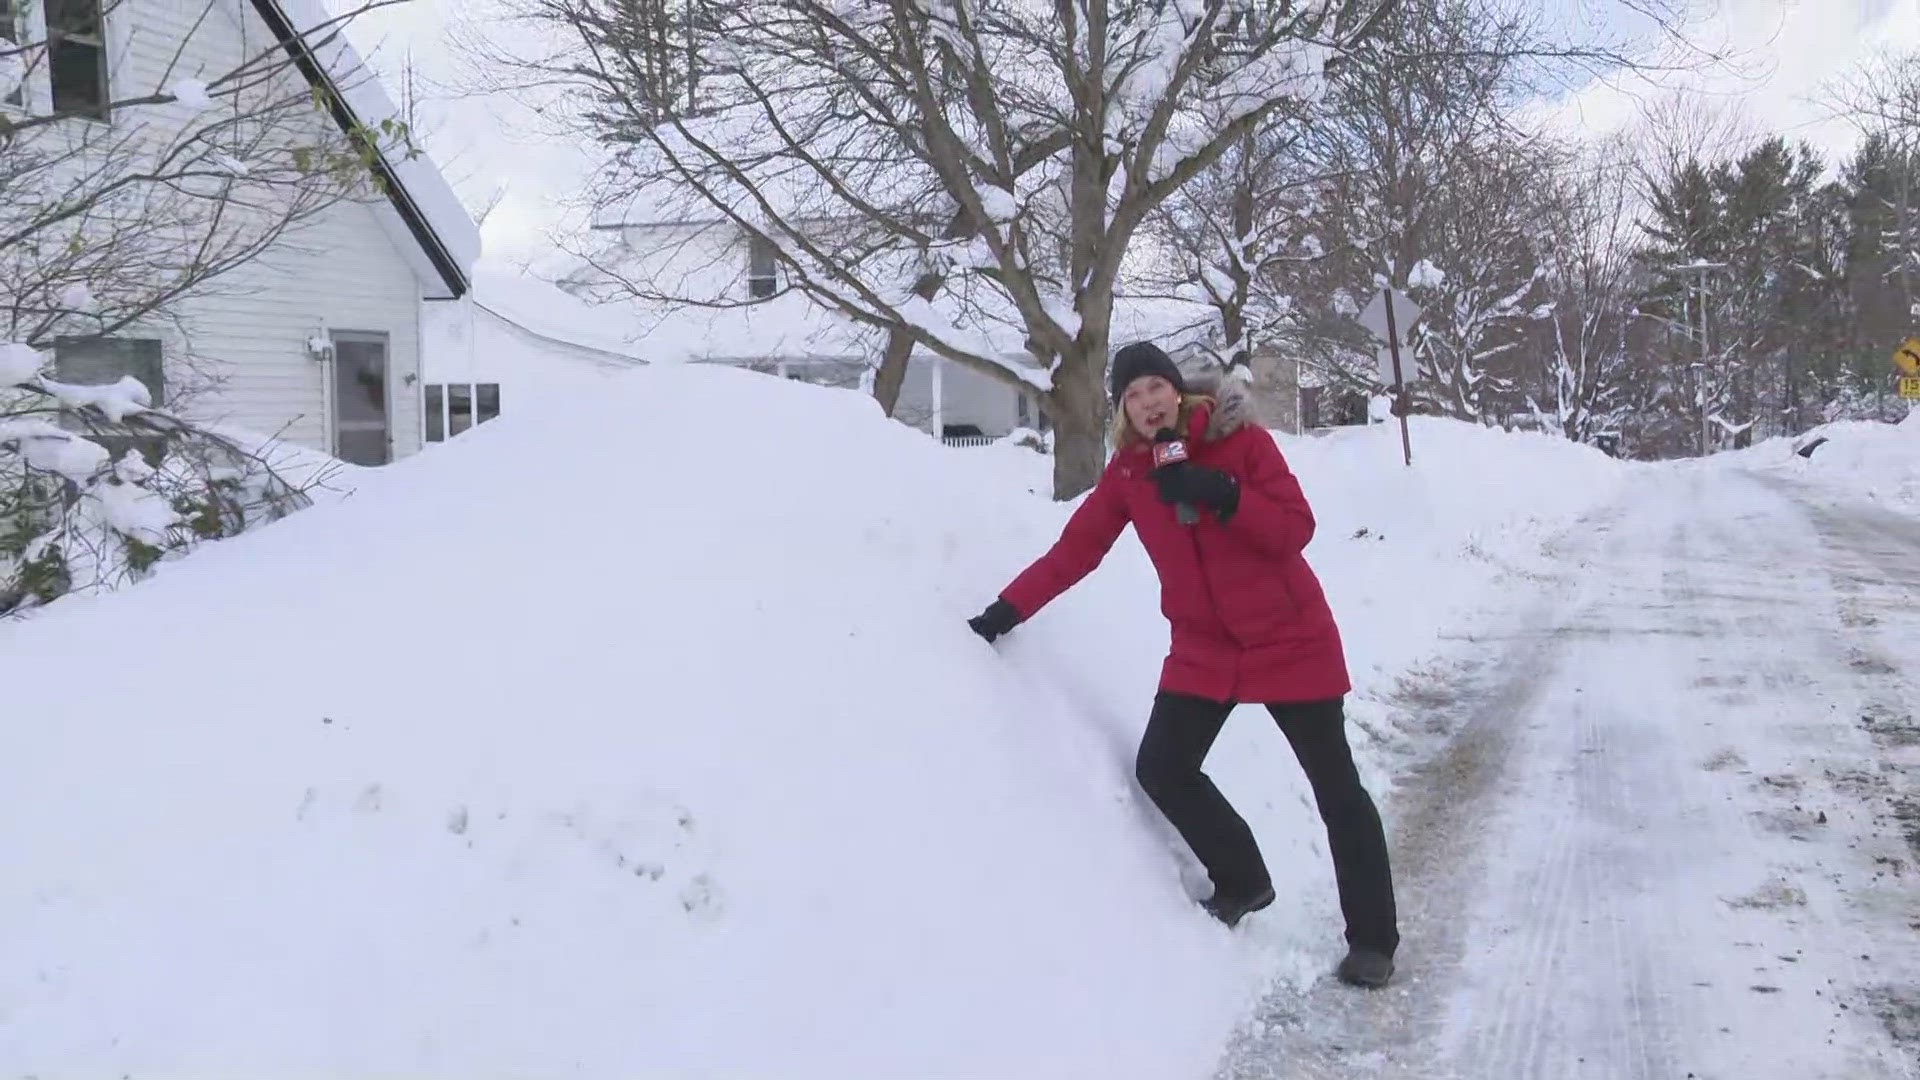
[1695, 275]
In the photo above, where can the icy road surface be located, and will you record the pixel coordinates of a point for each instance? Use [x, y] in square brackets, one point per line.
[1674, 834]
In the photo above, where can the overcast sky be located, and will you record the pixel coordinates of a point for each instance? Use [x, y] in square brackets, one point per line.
[1785, 52]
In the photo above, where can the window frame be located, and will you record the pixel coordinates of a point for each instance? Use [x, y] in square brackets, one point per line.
[151, 447]
[30, 25]
[433, 425]
[763, 267]
[97, 41]
[481, 402]
[436, 405]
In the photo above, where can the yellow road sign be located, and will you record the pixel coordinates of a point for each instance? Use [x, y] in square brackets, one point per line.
[1907, 356]
[1910, 388]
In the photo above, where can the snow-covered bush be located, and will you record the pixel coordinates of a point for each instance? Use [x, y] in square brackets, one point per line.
[96, 487]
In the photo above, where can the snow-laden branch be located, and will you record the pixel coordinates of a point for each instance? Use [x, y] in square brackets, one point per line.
[76, 517]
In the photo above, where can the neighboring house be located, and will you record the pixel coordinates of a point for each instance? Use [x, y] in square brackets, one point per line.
[318, 340]
[751, 322]
[510, 340]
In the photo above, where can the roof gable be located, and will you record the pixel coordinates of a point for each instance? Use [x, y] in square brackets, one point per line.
[421, 213]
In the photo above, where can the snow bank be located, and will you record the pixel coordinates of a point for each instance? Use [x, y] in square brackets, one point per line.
[1404, 550]
[315, 473]
[1873, 461]
[579, 747]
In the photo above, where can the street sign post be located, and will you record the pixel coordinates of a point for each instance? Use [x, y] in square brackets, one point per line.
[1390, 318]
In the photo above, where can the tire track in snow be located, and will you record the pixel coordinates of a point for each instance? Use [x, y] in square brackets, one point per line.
[1437, 817]
[1572, 903]
[1875, 571]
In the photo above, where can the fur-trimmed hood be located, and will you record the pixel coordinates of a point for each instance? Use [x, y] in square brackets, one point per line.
[1233, 403]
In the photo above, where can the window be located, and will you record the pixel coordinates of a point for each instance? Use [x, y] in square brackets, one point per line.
[13, 28]
[105, 361]
[455, 407]
[459, 409]
[77, 57]
[762, 268]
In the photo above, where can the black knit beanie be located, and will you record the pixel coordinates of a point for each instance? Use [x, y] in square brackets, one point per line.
[1142, 358]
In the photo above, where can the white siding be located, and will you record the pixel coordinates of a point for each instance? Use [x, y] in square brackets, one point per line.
[248, 331]
[252, 330]
[967, 397]
[703, 262]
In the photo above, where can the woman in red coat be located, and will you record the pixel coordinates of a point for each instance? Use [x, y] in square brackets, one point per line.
[1225, 530]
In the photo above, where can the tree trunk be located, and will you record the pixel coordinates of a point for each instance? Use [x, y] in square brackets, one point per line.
[1079, 401]
[893, 370]
[893, 360]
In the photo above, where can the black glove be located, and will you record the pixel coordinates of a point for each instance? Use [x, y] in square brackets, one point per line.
[1199, 485]
[999, 618]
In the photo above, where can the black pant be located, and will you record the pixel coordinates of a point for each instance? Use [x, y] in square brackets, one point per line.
[1179, 734]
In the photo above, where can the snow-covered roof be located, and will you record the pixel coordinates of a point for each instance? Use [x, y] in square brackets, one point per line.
[793, 327]
[553, 313]
[421, 214]
[795, 197]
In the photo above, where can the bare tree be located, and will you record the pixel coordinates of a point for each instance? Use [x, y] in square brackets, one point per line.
[1688, 125]
[1882, 99]
[1434, 182]
[1584, 347]
[1246, 236]
[960, 174]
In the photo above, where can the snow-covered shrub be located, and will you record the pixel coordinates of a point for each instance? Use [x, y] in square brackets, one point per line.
[96, 487]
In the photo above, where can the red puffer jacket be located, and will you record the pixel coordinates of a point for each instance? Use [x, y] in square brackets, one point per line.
[1250, 623]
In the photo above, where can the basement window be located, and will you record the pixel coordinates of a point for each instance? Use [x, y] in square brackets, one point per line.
[455, 407]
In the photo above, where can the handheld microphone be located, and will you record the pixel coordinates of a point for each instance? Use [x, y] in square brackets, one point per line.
[1170, 452]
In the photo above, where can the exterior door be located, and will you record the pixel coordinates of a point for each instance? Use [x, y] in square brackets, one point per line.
[362, 425]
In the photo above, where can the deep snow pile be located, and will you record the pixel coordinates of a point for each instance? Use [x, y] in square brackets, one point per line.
[645, 736]
[1875, 461]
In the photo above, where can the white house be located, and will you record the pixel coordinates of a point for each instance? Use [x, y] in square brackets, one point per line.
[753, 322]
[510, 340]
[319, 339]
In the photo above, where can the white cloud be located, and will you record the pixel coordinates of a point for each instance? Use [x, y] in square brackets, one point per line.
[1783, 57]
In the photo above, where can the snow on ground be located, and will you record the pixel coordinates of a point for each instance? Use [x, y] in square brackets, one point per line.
[321, 476]
[1673, 834]
[643, 735]
[1875, 461]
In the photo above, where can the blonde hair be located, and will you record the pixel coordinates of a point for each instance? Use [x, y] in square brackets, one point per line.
[1122, 434]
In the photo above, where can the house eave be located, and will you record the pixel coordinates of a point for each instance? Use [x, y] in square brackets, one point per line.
[439, 255]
